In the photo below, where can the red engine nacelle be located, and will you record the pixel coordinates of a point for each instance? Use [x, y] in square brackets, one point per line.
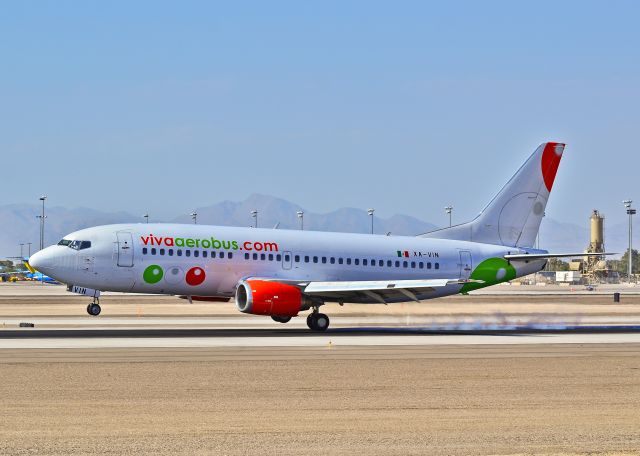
[261, 297]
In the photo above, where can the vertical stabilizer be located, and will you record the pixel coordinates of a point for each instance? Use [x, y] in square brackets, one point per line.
[513, 216]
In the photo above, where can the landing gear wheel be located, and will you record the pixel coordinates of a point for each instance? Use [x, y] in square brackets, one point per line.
[93, 309]
[280, 319]
[318, 322]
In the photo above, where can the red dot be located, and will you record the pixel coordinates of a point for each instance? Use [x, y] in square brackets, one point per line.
[195, 276]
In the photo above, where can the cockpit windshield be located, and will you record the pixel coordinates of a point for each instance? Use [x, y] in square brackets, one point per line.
[75, 245]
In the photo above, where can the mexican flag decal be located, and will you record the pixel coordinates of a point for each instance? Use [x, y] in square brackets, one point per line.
[403, 254]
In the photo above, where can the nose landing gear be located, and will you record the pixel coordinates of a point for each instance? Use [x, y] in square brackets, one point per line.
[94, 308]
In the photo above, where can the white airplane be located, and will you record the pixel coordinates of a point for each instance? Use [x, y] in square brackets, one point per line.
[281, 273]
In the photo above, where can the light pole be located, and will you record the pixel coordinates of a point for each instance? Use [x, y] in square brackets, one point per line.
[21, 251]
[301, 217]
[370, 212]
[29, 250]
[630, 212]
[448, 210]
[254, 214]
[146, 218]
[194, 216]
[42, 217]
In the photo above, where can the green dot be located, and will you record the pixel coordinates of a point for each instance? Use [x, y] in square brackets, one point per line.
[153, 274]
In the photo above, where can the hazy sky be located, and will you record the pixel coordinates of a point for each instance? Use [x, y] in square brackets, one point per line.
[402, 106]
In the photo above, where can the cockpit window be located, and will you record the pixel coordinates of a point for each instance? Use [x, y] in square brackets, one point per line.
[64, 242]
[79, 245]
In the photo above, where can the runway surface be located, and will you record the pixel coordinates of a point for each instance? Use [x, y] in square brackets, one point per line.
[466, 375]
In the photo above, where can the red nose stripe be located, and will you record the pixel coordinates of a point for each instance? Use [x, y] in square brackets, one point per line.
[550, 160]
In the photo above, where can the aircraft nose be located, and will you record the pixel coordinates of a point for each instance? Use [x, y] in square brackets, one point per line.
[42, 261]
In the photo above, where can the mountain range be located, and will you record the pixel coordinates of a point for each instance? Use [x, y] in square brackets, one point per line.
[19, 223]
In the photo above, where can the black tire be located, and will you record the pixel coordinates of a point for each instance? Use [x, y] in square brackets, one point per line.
[311, 321]
[280, 319]
[94, 309]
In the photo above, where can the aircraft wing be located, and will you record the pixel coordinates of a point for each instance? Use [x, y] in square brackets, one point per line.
[544, 256]
[379, 290]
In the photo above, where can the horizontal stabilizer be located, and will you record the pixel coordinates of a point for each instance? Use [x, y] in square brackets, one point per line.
[544, 256]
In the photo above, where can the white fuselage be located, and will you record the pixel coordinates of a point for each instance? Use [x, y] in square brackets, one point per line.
[201, 260]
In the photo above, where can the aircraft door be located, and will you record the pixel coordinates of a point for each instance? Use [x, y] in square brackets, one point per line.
[286, 260]
[465, 264]
[125, 249]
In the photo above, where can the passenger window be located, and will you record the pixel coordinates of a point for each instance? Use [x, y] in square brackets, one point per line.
[356, 261]
[348, 260]
[340, 260]
[324, 260]
[246, 256]
[213, 254]
[187, 253]
[179, 252]
[380, 263]
[297, 258]
[397, 264]
[161, 251]
[437, 266]
[421, 265]
[413, 264]
[204, 254]
[263, 256]
[306, 258]
[255, 256]
[373, 262]
[196, 253]
[315, 259]
[221, 254]
[287, 258]
[389, 263]
[332, 260]
[170, 252]
[153, 251]
[229, 255]
[278, 257]
[271, 257]
[429, 265]
[405, 264]
[364, 262]
[144, 250]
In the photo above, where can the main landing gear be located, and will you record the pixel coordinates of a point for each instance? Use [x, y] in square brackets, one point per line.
[94, 308]
[317, 321]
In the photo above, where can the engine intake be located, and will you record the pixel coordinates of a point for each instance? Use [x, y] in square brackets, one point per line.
[261, 297]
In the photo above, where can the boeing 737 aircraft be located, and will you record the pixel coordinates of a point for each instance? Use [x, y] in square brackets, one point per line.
[280, 273]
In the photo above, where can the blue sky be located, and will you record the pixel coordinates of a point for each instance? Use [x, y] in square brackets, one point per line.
[402, 106]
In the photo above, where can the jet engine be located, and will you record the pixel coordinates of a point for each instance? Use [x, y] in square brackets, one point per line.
[261, 297]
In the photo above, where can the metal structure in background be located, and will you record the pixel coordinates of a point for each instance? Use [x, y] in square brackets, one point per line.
[631, 212]
[370, 211]
[146, 218]
[29, 250]
[194, 217]
[254, 214]
[448, 210]
[301, 217]
[42, 217]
